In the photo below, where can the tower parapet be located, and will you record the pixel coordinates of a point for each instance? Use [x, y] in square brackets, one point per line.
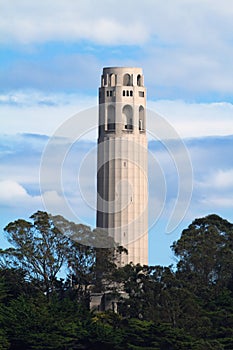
[123, 98]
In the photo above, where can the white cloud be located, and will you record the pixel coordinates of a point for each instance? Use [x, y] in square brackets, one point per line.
[185, 47]
[68, 20]
[224, 179]
[105, 21]
[10, 190]
[30, 98]
[213, 189]
[13, 194]
[57, 205]
[196, 119]
[36, 112]
[217, 202]
[40, 113]
[220, 180]
[185, 71]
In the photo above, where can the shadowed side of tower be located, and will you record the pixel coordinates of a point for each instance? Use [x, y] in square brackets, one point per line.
[122, 188]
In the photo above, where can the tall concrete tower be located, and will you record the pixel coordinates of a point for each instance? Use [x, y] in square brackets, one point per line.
[122, 189]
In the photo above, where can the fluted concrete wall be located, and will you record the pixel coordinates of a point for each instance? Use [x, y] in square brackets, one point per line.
[122, 199]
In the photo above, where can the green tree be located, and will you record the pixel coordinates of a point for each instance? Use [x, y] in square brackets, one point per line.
[4, 295]
[33, 323]
[48, 244]
[38, 248]
[205, 252]
[92, 256]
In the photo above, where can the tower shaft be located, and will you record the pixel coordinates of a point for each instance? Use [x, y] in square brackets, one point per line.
[122, 189]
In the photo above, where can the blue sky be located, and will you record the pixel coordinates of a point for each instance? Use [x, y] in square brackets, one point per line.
[51, 57]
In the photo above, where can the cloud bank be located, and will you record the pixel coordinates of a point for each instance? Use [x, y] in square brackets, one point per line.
[102, 21]
[185, 47]
[33, 111]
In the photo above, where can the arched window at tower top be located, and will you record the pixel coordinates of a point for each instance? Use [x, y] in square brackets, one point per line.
[139, 80]
[142, 123]
[105, 80]
[112, 79]
[127, 80]
[127, 116]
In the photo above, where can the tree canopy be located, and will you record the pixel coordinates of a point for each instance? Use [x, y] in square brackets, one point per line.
[183, 307]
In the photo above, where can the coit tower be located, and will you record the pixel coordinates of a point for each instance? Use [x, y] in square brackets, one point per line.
[122, 186]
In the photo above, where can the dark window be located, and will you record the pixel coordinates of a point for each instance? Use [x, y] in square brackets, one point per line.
[127, 81]
[127, 115]
[106, 80]
[139, 80]
[141, 118]
[111, 118]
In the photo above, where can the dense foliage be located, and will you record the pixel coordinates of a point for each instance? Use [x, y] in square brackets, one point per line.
[187, 307]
